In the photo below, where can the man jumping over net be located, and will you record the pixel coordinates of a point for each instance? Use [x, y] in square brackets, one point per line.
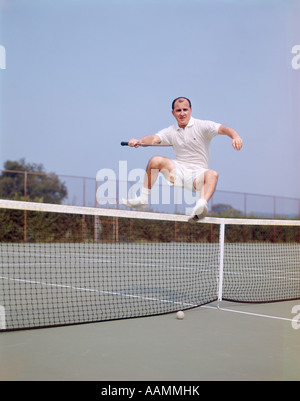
[190, 139]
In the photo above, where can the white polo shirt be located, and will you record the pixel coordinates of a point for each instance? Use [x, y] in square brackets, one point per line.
[191, 144]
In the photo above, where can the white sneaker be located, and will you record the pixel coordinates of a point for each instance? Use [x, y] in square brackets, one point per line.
[136, 203]
[199, 212]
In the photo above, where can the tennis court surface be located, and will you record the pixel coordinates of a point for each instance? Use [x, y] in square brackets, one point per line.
[238, 282]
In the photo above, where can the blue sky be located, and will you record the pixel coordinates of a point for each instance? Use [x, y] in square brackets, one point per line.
[83, 75]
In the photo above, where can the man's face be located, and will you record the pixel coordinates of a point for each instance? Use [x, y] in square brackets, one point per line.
[182, 112]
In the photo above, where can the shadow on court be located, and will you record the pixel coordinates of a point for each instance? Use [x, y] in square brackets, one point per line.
[238, 342]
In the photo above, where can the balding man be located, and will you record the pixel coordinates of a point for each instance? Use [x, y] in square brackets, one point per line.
[190, 139]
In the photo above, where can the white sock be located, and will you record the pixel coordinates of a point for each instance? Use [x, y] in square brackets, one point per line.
[202, 200]
[145, 194]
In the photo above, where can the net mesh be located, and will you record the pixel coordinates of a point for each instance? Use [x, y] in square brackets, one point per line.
[262, 263]
[62, 265]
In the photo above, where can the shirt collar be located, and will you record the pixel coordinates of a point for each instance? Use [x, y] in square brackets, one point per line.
[190, 124]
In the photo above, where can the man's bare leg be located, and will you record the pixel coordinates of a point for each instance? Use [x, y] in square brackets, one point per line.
[155, 165]
[206, 185]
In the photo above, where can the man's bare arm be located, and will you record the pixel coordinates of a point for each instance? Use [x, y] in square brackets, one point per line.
[148, 139]
[237, 141]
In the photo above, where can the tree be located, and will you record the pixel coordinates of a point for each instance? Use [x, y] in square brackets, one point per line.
[36, 185]
[224, 210]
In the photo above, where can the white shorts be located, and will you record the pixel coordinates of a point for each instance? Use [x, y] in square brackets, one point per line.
[185, 177]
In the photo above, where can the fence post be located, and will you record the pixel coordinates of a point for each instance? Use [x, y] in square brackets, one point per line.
[25, 211]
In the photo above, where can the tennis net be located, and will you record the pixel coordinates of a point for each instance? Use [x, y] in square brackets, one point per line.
[63, 265]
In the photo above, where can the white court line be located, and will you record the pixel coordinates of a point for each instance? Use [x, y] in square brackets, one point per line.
[121, 294]
[247, 313]
[142, 297]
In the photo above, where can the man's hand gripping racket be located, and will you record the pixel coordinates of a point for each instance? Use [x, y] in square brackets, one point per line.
[141, 144]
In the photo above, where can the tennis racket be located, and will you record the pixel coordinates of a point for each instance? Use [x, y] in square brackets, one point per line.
[143, 144]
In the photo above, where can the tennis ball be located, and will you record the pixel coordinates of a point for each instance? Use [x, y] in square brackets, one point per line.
[180, 315]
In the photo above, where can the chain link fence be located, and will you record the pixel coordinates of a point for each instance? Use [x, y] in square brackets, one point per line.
[87, 191]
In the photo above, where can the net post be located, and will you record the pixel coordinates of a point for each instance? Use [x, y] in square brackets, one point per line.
[221, 261]
[2, 318]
